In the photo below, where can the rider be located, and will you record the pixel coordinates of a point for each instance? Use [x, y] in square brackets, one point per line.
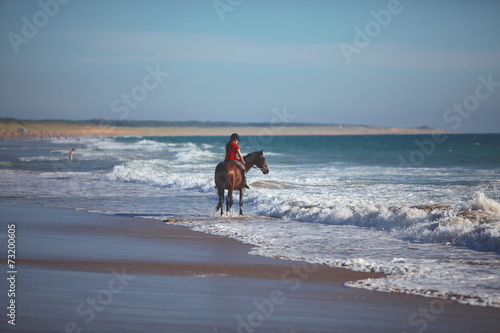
[233, 154]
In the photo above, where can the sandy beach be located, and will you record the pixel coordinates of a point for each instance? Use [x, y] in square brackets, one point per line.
[85, 272]
[43, 129]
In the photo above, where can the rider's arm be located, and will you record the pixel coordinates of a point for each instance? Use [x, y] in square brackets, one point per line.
[241, 156]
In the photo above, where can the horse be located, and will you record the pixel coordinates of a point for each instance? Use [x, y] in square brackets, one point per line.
[229, 177]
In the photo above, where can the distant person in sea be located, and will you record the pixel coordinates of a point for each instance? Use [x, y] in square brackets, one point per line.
[233, 155]
[70, 154]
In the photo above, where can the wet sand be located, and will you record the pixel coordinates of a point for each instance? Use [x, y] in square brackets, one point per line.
[84, 272]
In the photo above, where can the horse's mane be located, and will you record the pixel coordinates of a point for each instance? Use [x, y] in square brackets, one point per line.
[255, 152]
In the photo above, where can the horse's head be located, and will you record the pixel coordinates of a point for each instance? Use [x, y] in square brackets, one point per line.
[258, 159]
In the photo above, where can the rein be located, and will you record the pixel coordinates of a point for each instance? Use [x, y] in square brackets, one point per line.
[253, 164]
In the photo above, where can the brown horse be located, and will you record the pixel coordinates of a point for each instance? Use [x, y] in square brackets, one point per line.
[229, 177]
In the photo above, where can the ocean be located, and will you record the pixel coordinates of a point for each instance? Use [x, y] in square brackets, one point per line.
[425, 209]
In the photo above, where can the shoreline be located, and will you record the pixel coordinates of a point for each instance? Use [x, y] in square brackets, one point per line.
[19, 129]
[95, 272]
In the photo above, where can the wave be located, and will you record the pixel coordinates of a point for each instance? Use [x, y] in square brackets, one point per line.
[474, 225]
[127, 149]
[483, 203]
[112, 144]
[185, 165]
[191, 153]
[272, 184]
[160, 173]
[42, 158]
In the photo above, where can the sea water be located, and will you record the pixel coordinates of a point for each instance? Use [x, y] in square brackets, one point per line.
[425, 210]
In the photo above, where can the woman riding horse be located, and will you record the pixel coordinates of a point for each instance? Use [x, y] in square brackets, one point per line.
[230, 176]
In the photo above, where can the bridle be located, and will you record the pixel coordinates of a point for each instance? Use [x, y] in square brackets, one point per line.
[263, 169]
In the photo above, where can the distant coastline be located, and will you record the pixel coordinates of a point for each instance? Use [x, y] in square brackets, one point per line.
[14, 128]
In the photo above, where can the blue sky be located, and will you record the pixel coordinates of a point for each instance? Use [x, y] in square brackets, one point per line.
[387, 63]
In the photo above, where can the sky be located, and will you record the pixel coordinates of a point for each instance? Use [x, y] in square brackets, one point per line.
[398, 63]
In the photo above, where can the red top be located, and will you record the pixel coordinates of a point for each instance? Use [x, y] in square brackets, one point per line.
[232, 151]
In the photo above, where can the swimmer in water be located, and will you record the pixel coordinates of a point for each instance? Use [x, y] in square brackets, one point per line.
[70, 154]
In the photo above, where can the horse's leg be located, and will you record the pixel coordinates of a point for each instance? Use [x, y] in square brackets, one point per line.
[220, 179]
[242, 192]
[229, 201]
[220, 192]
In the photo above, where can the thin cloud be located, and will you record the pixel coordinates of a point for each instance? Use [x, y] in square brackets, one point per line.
[122, 47]
[422, 58]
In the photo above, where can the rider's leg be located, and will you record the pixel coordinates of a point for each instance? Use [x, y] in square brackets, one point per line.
[241, 166]
[244, 173]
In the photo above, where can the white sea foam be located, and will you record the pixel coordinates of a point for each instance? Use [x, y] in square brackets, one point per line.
[110, 144]
[159, 173]
[42, 158]
[427, 223]
[481, 202]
